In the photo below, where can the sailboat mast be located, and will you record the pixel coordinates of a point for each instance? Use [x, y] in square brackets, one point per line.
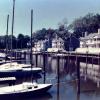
[7, 35]
[12, 26]
[31, 56]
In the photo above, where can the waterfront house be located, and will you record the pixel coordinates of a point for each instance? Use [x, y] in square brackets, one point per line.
[91, 40]
[57, 45]
[39, 46]
[90, 43]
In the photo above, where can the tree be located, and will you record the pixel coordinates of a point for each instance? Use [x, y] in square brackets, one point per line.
[89, 23]
[40, 34]
[26, 40]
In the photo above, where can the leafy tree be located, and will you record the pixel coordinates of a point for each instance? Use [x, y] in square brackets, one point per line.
[89, 23]
[20, 41]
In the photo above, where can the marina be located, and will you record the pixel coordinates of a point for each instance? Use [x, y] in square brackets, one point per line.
[63, 79]
[52, 63]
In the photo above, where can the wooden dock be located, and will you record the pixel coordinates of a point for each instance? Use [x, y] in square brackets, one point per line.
[87, 58]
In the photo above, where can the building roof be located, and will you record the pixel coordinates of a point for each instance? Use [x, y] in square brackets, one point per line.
[57, 40]
[90, 36]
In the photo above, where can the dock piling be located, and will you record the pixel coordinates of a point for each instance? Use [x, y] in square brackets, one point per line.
[36, 60]
[78, 76]
[44, 69]
[58, 63]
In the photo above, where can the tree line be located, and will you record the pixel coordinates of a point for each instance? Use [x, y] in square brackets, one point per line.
[70, 33]
[18, 42]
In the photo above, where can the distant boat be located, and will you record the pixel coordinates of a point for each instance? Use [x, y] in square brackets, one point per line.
[15, 69]
[25, 89]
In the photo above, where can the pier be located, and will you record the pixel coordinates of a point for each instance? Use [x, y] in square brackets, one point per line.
[87, 65]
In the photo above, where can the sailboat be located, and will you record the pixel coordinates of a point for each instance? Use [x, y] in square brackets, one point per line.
[26, 88]
[18, 70]
[15, 69]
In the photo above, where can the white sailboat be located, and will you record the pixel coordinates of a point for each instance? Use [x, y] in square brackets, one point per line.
[15, 69]
[24, 89]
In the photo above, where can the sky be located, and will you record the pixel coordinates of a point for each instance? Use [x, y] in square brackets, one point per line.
[46, 13]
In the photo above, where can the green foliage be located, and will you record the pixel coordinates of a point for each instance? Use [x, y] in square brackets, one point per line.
[19, 42]
[22, 41]
[89, 23]
[43, 34]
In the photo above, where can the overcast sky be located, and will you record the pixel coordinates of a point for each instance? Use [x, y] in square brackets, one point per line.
[47, 13]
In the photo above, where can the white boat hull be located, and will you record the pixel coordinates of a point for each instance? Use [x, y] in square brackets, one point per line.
[20, 91]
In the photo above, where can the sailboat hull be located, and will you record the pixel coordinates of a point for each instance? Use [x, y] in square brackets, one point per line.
[18, 73]
[32, 93]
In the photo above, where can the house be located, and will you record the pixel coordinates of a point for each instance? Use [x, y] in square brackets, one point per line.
[90, 43]
[57, 45]
[91, 40]
[39, 46]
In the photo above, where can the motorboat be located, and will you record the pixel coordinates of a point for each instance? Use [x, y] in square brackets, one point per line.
[24, 89]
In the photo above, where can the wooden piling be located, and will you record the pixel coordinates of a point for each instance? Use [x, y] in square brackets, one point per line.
[92, 61]
[98, 82]
[25, 56]
[58, 91]
[58, 65]
[36, 60]
[78, 75]
[86, 65]
[68, 61]
[44, 69]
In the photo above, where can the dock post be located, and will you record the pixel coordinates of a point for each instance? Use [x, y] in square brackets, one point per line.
[58, 91]
[99, 62]
[24, 56]
[92, 61]
[58, 60]
[36, 60]
[98, 82]
[19, 56]
[78, 76]
[15, 55]
[44, 65]
[86, 66]
[68, 60]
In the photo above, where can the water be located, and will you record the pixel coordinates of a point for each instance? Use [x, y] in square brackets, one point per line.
[67, 87]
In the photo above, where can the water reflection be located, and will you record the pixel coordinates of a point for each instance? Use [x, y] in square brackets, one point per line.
[58, 92]
[78, 97]
[46, 96]
[67, 87]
